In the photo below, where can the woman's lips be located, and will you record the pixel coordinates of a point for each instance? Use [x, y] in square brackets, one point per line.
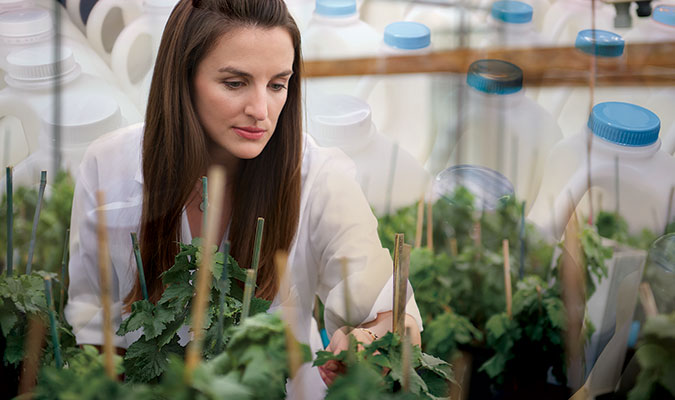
[249, 132]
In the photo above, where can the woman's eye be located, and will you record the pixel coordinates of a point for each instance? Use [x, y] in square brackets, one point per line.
[277, 87]
[233, 84]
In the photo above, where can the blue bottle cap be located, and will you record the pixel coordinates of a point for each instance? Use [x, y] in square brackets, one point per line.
[599, 43]
[407, 35]
[512, 12]
[664, 14]
[335, 8]
[624, 123]
[495, 77]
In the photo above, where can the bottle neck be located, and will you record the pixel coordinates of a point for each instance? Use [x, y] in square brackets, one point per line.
[609, 148]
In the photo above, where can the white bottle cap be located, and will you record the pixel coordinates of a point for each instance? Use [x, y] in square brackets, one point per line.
[36, 67]
[26, 25]
[340, 120]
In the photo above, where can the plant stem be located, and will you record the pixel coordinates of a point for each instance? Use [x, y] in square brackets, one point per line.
[204, 277]
[507, 276]
[52, 323]
[248, 293]
[521, 239]
[64, 272]
[104, 276]
[139, 265]
[29, 369]
[10, 223]
[221, 299]
[36, 218]
[256, 245]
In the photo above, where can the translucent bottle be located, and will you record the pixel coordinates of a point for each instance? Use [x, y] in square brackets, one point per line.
[135, 50]
[301, 10]
[389, 176]
[447, 23]
[565, 18]
[629, 174]
[32, 26]
[570, 105]
[402, 104]
[539, 10]
[106, 21]
[29, 98]
[500, 128]
[511, 26]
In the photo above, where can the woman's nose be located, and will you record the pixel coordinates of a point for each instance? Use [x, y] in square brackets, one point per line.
[257, 104]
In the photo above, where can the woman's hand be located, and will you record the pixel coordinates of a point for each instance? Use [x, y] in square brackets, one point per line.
[366, 334]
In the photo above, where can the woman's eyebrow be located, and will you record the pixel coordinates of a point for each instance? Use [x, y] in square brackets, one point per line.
[238, 72]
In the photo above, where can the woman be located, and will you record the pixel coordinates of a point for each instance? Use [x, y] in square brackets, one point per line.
[226, 90]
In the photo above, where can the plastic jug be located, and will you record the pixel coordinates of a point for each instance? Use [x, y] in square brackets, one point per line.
[26, 27]
[539, 10]
[301, 10]
[380, 13]
[511, 26]
[628, 171]
[389, 176]
[107, 20]
[570, 106]
[79, 11]
[565, 18]
[335, 31]
[500, 128]
[660, 27]
[31, 78]
[402, 104]
[447, 23]
[135, 50]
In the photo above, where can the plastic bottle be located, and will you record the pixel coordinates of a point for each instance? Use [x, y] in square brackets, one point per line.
[67, 28]
[29, 97]
[447, 23]
[335, 31]
[402, 104]
[389, 176]
[500, 128]
[135, 50]
[511, 26]
[570, 106]
[27, 27]
[106, 21]
[539, 10]
[380, 13]
[565, 18]
[660, 27]
[629, 173]
[301, 10]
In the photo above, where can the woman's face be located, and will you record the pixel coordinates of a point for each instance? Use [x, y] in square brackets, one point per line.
[240, 88]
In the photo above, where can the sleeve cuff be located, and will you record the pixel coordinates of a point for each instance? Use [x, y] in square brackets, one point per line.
[86, 318]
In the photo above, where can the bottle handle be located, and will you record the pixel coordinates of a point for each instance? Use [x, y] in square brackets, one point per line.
[30, 120]
[558, 26]
[121, 52]
[130, 9]
[73, 10]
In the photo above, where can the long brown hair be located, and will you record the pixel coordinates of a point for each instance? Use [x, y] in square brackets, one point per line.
[175, 151]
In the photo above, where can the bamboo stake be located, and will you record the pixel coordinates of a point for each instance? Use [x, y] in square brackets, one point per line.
[248, 293]
[420, 223]
[104, 272]
[34, 342]
[221, 299]
[10, 223]
[647, 300]
[52, 323]
[256, 245]
[64, 272]
[669, 215]
[401, 272]
[292, 346]
[139, 265]
[406, 356]
[36, 219]
[430, 226]
[454, 250]
[209, 233]
[507, 276]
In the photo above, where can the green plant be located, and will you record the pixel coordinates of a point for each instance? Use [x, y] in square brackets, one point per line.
[148, 357]
[377, 371]
[656, 356]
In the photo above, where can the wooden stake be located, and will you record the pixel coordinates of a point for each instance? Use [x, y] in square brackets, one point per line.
[104, 272]
[249, 287]
[216, 179]
[430, 226]
[36, 219]
[507, 276]
[33, 347]
[10, 222]
[647, 300]
[454, 250]
[406, 356]
[288, 308]
[139, 265]
[64, 272]
[420, 223]
[52, 323]
[401, 272]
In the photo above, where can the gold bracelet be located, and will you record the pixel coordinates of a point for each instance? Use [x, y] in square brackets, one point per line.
[371, 333]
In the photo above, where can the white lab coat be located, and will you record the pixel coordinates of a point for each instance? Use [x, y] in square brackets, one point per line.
[335, 222]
